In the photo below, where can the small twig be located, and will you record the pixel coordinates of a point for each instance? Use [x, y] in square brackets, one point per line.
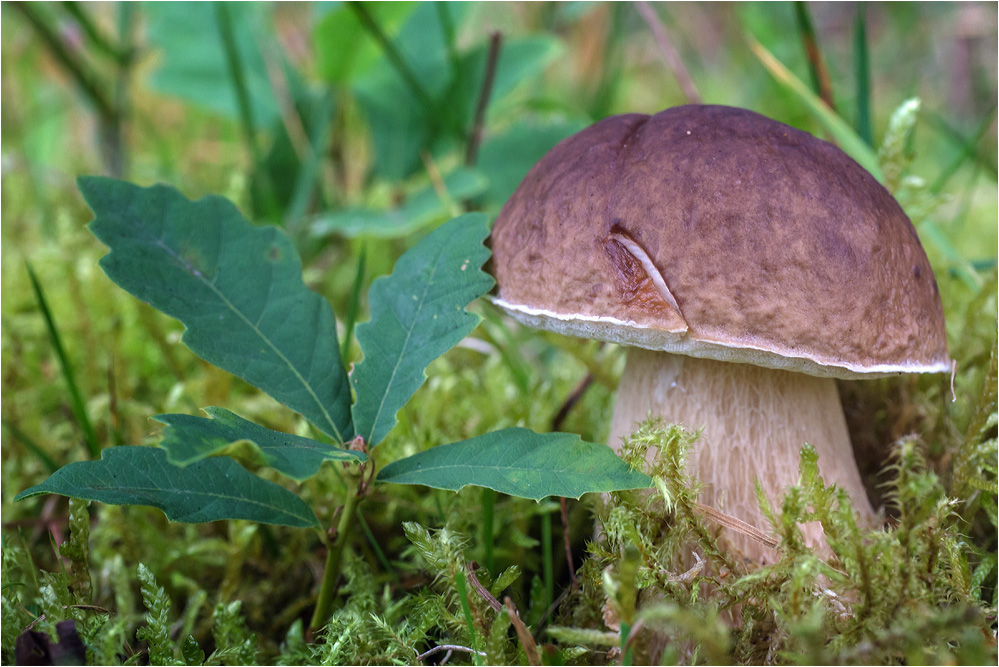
[551, 610]
[448, 647]
[689, 574]
[526, 640]
[738, 525]
[571, 401]
[475, 135]
[480, 589]
[568, 543]
[670, 55]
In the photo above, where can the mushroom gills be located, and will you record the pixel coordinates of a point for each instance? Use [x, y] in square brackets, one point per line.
[637, 253]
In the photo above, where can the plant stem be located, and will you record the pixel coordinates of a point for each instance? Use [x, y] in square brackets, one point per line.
[398, 63]
[109, 113]
[966, 147]
[238, 76]
[267, 198]
[355, 300]
[447, 27]
[488, 503]
[96, 37]
[308, 174]
[402, 69]
[331, 571]
[475, 134]
[459, 579]
[31, 446]
[546, 558]
[862, 68]
[625, 647]
[76, 399]
[817, 67]
[85, 79]
[379, 554]
[669, 52]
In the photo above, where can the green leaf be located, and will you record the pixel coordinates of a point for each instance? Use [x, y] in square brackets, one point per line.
[839, 129]
[419, 210]
[192, 60]
[237, 288]
[417, 314]
[401, 123]
[344, 48]
[519, 462]
[210, 490]
[189, 439]
[506, 158]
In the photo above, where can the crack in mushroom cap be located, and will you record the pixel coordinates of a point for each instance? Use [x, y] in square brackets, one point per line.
[717, 232]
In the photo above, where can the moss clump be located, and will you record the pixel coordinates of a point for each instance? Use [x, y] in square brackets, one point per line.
[911, 592]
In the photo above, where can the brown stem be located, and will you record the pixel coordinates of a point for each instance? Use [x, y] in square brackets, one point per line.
[571, 401]
[526, 640]
[820, 75]
[475, 135]
[568, 543]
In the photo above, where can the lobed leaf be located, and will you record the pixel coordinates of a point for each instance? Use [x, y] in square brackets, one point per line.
[209, 490]
[417, 314]
[189, 439]
[519, 462]
[237, 288]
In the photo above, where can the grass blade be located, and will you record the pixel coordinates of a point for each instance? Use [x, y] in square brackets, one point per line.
[488, 506]
[841, 132]
[547, 559]
[355, 301]
[238, 76]
[308, 174]
[76, 399]
[967, 147]
[862, 71]
[816, 66]
[404, 71]
[459, 580]
[31, 446]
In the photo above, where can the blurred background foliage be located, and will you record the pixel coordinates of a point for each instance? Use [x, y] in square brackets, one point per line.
[359, 127]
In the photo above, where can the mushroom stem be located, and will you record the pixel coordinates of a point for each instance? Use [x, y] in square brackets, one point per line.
[754, 422]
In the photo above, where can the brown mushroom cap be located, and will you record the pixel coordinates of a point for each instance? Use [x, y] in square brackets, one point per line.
[716, 232]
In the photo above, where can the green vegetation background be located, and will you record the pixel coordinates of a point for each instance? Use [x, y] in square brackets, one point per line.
[239, 588]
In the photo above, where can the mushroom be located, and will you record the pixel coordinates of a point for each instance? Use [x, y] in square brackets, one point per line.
[748, 265]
